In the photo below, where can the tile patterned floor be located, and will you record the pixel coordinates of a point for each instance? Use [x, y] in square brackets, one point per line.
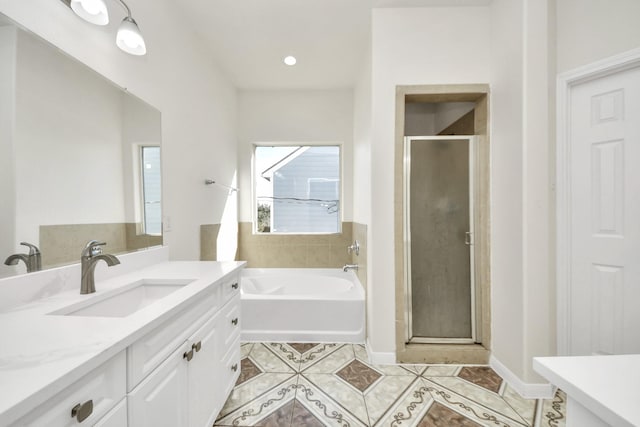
[292, 385]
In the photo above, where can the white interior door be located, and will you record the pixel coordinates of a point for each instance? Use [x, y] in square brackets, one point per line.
[604, 218]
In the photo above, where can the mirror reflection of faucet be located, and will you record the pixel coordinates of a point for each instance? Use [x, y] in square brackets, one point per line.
[33, 260]
[91, 254]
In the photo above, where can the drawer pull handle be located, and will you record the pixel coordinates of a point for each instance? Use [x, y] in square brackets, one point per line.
[82, 411]
[234, 321]
[197, 346]
[234, 367]
[188, 355]
[234, 286]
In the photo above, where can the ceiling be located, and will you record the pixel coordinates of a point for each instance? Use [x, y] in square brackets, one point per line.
[250, 38]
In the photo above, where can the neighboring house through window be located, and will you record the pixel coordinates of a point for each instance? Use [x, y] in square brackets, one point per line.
[297, 189]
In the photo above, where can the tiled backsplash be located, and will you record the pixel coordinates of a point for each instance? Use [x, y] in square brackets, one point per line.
[209, 242]
[294, 250]
[62, 244]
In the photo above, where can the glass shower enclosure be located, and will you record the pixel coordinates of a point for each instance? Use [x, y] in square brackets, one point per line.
[438, 236]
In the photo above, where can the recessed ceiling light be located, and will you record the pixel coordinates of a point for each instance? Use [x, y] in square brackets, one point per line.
[290, 60]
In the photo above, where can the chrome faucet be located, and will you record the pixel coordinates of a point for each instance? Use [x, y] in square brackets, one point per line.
[33, 260]
[348, 267]
[91, 254]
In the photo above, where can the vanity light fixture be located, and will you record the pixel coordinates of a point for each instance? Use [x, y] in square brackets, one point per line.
[129, 38]
[94, 11]
[290, 60]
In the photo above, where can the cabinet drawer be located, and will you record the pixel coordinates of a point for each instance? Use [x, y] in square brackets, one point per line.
[148, 353]
[232, 321]
[230, 287]
[105, 386]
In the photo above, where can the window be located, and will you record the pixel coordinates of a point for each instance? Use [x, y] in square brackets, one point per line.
[297, 189]
[151, 189]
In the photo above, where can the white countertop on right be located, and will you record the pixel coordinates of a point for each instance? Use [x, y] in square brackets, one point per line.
[609, 386]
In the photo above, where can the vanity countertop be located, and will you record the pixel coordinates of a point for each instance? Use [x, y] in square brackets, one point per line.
[606, 385]
[41, 354]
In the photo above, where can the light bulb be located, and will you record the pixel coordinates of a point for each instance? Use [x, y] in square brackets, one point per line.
[94, 11]
[129, 38]
[290, 60]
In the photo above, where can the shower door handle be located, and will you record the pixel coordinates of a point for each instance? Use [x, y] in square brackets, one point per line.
[467, 238]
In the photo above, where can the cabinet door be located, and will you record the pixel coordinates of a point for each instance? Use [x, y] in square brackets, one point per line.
[204, 402]
[117, 417]
[161, 400]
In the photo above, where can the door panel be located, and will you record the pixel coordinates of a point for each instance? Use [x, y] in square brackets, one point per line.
[605, 215]
[439, 217]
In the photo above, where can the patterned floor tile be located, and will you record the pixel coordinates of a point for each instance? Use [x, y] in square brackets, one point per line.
[441, 416]
[483, 376]
[409, 408]
[441, 371]
[248, 370]
[262, 398]
[314, 385]
[359, 375]
[526, 408]
[385, 393]
[484, 409]
[268, 359]
[245, 349]
[332, 401]
[329, 361]
[553, 412]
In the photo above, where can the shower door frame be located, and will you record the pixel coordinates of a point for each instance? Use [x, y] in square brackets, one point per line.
[406, 203]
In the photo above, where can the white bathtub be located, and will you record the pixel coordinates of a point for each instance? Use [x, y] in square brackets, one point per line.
[301, 305]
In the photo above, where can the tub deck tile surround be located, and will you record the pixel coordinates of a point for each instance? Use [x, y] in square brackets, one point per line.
[330, 384]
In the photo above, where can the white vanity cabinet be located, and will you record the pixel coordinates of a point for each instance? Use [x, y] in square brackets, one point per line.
[188, 387]
[86, 402]
[173, 363]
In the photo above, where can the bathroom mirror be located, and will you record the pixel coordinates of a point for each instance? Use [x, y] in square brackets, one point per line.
[80, 157]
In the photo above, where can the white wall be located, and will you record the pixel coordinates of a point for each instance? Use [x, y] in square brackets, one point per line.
[362, 144]
[506, 183]
[8, 245]
[296, 116]
[522, 159]
[68, 154]
[178, 77]
[410, 46]
[589, 30]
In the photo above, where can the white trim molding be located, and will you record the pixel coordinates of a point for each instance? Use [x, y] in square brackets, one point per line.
[380, 358]
[526, 390]
[565, 83]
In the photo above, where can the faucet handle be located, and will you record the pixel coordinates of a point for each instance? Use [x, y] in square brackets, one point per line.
[33, 249]
[92, 248]
[355, 247]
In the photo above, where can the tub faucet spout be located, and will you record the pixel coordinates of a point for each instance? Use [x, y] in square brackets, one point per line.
[348, 267]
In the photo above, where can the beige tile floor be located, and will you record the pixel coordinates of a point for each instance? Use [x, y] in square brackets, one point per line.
[290, 385]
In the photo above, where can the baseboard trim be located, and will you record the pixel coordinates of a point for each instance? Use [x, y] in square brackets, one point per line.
[526, 390]
[378, 357]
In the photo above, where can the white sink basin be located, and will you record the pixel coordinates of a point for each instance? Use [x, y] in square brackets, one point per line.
[126, 300]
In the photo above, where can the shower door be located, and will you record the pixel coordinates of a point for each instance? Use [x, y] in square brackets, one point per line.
[439, 269]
